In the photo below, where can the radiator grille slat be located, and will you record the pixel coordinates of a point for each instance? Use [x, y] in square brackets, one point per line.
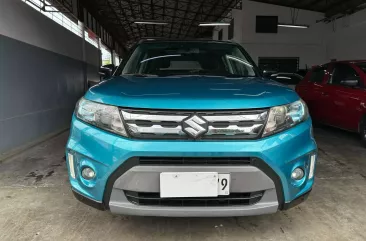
[154, 199]
[195, 161]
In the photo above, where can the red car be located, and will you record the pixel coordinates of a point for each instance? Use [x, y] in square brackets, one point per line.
[336, 95]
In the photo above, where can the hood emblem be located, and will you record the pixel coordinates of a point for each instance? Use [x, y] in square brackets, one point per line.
[195, 126]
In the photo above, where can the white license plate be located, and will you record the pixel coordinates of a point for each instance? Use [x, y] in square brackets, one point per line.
[194, 184]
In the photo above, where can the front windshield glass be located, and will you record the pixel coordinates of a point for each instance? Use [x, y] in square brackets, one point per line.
[189, 58]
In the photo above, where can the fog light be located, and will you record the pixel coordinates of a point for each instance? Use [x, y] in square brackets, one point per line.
[297, 174]
[312, 166]
[88, 173]
[70, 159]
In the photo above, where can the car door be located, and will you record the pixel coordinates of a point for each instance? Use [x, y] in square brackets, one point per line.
[342, 101]
[346, 101]
[310, 90]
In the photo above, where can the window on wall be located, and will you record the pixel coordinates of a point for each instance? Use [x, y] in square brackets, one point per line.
[220, 35]
[56, 16]
[278, 64]
[106, 55]
[93, 30]
[92, 27]
[91, 38]
[231, 30]
[267, 24]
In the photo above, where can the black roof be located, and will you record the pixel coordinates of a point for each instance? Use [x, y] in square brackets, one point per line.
[184, 16]
[185, 40]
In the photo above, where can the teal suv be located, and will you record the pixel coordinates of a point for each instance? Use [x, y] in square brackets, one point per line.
[190, 128]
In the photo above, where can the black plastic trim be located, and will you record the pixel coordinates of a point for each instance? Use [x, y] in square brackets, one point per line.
[135, 161]
[297, 201]
[264, 167]
[89, 202]
[127, 165]
[234, 199]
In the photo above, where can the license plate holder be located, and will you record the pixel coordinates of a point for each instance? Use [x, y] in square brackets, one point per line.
[193, 184]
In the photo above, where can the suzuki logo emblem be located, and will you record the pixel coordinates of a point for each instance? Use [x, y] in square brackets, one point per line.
[195, 126]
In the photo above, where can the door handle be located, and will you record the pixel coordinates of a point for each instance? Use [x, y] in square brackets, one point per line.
[324, 94]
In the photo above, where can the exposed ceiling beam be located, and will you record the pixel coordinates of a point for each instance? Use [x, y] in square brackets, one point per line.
[194, 21]
[309, 4]
[152, 14]
[206, 17]
[173, 20]
[184, 17]
[343, 7]
[175, 8]
[285, 4]
[124, 15]
[119, 35]
[134, 17]
[163, 26]
[143, 15]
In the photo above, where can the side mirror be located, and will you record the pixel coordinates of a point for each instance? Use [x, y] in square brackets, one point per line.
[351, 82]
[106, 71]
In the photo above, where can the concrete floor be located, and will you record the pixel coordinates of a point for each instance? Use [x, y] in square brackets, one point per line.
[36, 203]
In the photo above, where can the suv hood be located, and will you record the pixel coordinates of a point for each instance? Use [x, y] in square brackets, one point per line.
[191, 92]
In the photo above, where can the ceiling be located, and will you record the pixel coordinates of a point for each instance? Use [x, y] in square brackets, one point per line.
[184, 16]
[329, 7]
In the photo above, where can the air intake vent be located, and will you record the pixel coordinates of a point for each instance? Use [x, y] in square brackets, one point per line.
[154, 199]
[230, 161]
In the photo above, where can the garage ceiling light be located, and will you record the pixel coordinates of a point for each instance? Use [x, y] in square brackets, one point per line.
[292, 25]
[152, 22]
[213, 24]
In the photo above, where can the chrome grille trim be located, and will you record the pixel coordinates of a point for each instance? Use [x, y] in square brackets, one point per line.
[230, 130]
[156, 129]
[156, 118]
[161, 124]
[232, 118]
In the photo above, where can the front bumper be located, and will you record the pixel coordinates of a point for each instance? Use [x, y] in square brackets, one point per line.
[115, 158]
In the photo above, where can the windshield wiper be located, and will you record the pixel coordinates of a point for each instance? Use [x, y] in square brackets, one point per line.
[238, 76]
[140, 75]
[208, 73]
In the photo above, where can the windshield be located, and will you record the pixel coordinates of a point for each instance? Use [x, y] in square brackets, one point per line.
[362, 66]
[189, 58]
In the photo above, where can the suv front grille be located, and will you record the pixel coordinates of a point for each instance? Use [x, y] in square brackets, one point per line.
[154, 199]
[153, 124]
[178, 161]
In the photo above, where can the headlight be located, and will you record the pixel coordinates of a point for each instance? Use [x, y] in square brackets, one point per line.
[103, 116]
[283, 117]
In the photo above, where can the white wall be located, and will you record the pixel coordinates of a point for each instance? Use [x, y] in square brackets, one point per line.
[29, 26]
[307, 44]
[347, 38]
